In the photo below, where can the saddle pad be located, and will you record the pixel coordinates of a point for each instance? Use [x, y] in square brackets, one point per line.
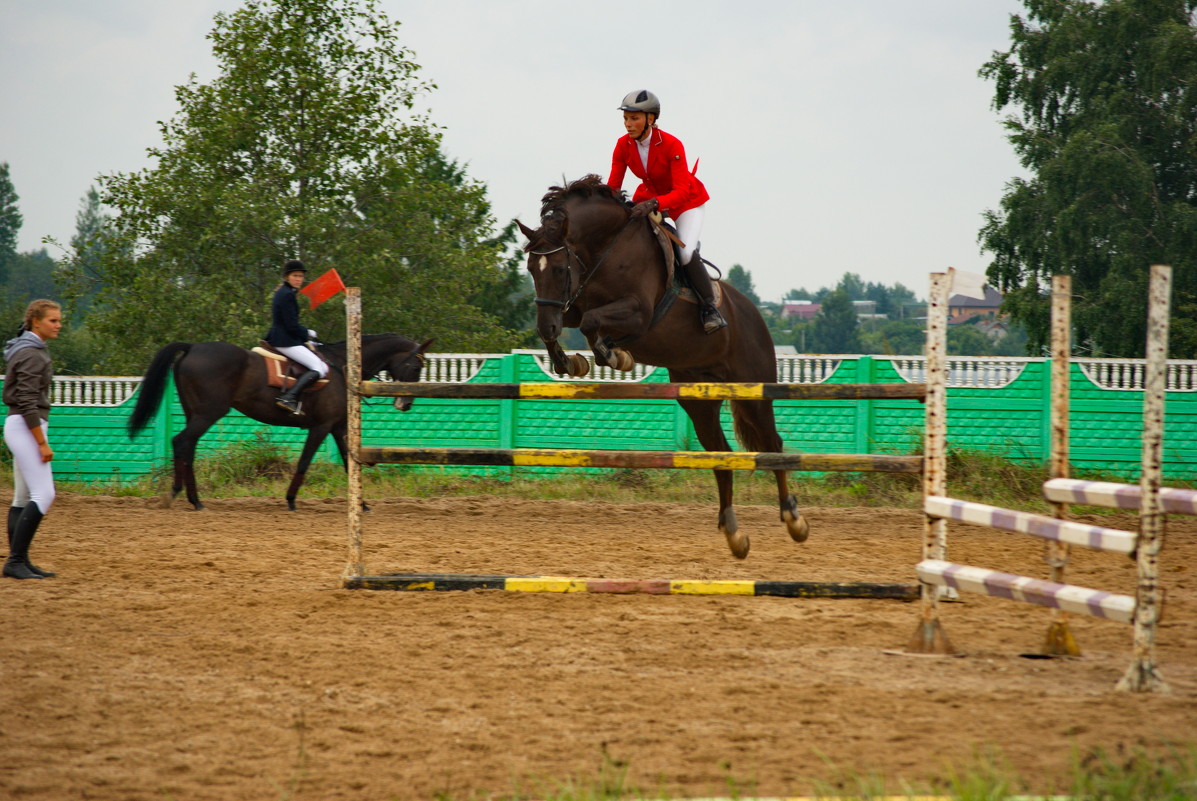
[276, 371]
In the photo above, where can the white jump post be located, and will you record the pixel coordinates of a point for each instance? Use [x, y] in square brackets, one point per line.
[1143, 609]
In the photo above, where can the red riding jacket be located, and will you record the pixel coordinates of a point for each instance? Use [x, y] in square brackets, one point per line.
[667, 178]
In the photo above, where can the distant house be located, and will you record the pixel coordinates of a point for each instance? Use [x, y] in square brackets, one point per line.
[800, 309]
[807, 310]
[961, 308]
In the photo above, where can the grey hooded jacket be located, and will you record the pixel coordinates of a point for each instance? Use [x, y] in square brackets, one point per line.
[28, 377]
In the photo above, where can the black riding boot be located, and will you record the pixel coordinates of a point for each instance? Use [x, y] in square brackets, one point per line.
[14, 514]
[289, 400]
[17, 566]
[708, 313]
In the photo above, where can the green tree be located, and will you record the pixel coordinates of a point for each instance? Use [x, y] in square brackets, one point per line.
[296, 149]
[509, 295]
[835, 328]
[1105, 122]
[741, 279]
[852, 285]
[894, 338]
[10, 221]
[94, 238]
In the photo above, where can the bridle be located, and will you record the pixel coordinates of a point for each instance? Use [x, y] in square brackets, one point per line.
[570, 257]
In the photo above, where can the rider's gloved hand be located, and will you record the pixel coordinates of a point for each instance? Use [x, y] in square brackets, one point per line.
[645, 208]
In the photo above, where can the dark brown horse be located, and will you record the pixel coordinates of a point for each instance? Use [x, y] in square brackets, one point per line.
[213, 377]
[597, 270]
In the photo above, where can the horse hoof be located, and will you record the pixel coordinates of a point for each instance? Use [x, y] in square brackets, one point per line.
[729, 526]
[623, 360]
[579, 366]
[795, 523]
[738, 543]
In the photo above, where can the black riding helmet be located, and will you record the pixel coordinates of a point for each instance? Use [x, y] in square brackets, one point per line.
[294, 266]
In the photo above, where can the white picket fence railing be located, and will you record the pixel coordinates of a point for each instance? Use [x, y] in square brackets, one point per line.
[963, 371]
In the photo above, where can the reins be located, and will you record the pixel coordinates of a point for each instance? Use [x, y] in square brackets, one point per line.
[571, 255]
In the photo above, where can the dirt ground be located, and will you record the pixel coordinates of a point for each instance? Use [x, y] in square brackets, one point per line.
[213, 655]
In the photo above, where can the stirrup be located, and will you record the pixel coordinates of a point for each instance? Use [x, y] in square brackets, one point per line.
[291, 405]
[712, 320]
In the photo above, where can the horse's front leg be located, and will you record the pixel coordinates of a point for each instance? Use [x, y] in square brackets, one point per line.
[564, 364]
[339, 434]
[605, 325]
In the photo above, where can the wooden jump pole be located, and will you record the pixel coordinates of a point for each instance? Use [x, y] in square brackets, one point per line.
[353, 380]
[1143, 676]
[929, 636]
[1060, 640]
[670, 460]
[638, 391]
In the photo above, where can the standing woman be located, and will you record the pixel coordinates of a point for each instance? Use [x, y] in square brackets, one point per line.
[27, 393]
[290, 338]
[666, 184]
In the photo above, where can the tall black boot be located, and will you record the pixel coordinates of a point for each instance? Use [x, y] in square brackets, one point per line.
[14, 514]
[708, 313]
[17, 566]
[289, 400]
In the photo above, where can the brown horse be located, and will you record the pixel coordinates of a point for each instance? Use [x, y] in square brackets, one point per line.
[598, 270]
[214, 377]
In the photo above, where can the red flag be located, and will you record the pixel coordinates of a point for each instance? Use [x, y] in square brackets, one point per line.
[323, 288]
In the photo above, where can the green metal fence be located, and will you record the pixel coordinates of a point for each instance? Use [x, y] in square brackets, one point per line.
[995, 405]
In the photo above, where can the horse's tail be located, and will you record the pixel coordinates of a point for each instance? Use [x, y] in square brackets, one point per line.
[153, 385]
[755, 425]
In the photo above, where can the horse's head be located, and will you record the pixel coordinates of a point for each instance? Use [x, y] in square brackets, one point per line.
[406, 364]
[567, 256]
[399, 356]
[555, 271]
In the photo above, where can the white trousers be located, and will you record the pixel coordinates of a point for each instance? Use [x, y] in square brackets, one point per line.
[304, 355]
[689, 229]
[33, 479]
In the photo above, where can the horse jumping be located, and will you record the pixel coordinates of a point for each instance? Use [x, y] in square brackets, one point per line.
[597, 270]
[214, 377]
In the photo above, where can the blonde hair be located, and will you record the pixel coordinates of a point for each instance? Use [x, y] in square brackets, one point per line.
[37, 309]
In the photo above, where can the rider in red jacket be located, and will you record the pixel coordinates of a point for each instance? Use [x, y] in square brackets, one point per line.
[666, 184]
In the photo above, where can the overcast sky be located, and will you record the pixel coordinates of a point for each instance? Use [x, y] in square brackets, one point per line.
[847, 136]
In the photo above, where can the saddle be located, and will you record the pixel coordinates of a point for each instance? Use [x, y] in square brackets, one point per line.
[671, 246]
[281, 372]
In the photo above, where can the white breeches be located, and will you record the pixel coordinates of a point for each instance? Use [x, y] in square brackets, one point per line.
[33, 479]
[304, 355]
[689, 229]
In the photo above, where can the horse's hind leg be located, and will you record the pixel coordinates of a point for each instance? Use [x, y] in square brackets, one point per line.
[757, 428]
[183, 447]
[184, 454]
[796, 524]
[705, 416]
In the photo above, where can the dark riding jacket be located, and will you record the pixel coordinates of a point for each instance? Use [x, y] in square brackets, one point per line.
[285, 330]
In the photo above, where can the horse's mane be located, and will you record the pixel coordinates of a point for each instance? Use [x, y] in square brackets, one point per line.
[586, 186]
